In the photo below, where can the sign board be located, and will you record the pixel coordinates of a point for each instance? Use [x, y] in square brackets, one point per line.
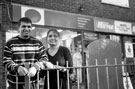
[104, 25]
[53, 18]
[123, 27]
[122, 3]
[129, 50]
[133, 28]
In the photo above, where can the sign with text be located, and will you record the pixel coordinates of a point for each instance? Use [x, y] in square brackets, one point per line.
[122, 3]
[133, 28]
[104, 25]
[68, 20]
[129, 50]
[122, 27]
[53, 18]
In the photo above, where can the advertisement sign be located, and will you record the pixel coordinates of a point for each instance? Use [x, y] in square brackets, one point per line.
[122, 3]
[104, 25]
[129, 50]
[35, 14]
[68, 20]
[55, 18]
[133, 28]
[123, 27]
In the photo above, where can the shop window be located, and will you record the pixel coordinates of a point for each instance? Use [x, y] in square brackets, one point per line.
[10, 34]
[115, 38]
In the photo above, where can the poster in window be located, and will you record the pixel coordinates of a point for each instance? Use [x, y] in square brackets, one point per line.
[129, 50]
[122, 3]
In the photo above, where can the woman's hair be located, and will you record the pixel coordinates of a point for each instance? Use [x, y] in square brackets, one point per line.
[54, 31]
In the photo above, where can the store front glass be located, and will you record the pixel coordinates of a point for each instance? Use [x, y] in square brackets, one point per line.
[76, 41]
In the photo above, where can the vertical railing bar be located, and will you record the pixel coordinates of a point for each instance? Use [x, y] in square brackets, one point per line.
[77, 77]
[126, 74]
[107, 75]
[116, 69]
[97, 74]
[123, 72]
[78, 82]
[37, 80]
[58, 83]
[88, 76]
[67, 75]
[27, 78]
[6, 77]
[48, 80]
[16, 82]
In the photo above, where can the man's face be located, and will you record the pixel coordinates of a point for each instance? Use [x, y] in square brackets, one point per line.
[25, 29]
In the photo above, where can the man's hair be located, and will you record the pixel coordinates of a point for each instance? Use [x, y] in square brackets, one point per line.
[24, 19]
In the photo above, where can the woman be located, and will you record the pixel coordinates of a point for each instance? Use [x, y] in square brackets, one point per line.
[60, 54]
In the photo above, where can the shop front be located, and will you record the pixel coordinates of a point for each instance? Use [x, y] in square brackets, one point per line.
[77, 32]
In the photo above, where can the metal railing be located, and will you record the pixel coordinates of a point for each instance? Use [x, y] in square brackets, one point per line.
[97, 76]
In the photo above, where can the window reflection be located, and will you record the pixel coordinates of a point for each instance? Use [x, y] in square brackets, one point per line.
[71, 39]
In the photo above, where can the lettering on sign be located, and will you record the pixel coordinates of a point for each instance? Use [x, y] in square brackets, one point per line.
[82, 21]
[104, 25]
[133, 28]
[123, 27]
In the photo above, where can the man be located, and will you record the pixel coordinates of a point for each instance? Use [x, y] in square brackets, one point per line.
[21, 51]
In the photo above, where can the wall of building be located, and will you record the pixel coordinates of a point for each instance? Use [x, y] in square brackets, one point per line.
[90, 7]
[86, 7]
[1, 47]
[4, 25]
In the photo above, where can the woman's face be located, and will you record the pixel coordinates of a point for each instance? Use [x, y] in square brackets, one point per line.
[53, 38]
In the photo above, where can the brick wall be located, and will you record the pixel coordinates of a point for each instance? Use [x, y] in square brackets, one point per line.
[4, 24]
[90, 7]
[1, 38]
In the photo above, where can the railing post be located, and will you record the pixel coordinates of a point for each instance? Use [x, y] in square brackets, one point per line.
[58, 81]
[107, 75]
[37, 80]
[68, 83]
[97, 74]
[27, 78]
[88, 76]
[16, 81]
[116, 69]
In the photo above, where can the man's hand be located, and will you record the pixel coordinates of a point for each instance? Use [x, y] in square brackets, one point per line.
[22, 71]
[32, 71]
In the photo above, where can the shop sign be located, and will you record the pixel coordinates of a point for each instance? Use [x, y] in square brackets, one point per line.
[133, 28]
[35, 14]
[129, 50]
[55, 18]
[122, 27]
[103, 25]
[122, 3]
[68, 20]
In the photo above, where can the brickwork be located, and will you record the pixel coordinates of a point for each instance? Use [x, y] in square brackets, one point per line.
[2, 71]
[1, 38]
[89, 7]
[4, 24]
